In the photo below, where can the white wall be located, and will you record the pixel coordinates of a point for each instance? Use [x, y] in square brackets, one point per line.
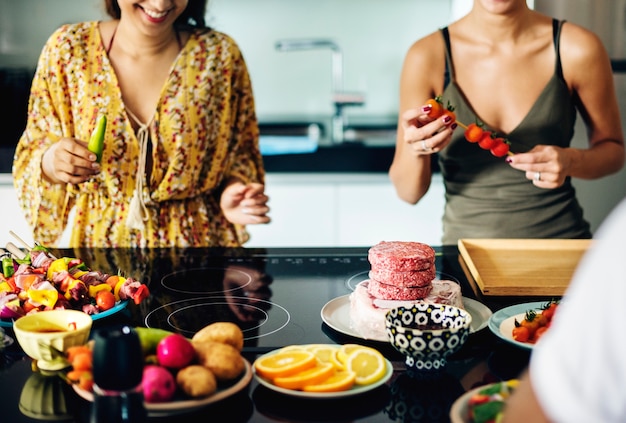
[373, 34]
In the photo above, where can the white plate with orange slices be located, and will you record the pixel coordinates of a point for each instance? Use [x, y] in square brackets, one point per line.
[322, 370]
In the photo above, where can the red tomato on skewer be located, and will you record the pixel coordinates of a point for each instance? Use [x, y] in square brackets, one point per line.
[473, 133]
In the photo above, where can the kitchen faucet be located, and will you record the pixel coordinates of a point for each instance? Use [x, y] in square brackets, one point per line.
[340, 98]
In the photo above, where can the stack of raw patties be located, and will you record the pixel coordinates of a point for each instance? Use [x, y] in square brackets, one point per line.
[401, 274]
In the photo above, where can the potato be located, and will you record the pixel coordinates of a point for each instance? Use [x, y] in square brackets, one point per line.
[223, 360]
[224, 332]
[196, 381]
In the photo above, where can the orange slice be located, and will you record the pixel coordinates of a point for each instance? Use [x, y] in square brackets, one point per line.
[340, 381]
[312, 376]
[368, 364]
[284, 363]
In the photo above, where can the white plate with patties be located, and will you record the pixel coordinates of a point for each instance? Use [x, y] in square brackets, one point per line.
[336, 314]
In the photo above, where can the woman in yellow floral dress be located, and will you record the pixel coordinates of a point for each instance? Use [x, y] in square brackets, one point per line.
[181, 164]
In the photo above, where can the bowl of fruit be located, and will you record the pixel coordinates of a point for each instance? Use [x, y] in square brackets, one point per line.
[427, 334]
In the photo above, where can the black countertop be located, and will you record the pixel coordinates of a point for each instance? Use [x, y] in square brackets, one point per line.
[300, 282]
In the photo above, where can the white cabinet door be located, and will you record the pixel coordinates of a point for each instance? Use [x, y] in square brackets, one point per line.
[345, 210]
[12, 218]
[370, 212]
[303, 215]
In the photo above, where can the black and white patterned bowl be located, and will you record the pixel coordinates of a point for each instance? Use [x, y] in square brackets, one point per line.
[426, 334]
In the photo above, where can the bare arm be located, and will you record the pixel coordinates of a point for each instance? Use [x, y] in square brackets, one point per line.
[587, 70]
[420, 80]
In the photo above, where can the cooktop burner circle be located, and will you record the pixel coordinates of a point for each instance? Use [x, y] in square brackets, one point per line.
[194, 280]
[188, 316]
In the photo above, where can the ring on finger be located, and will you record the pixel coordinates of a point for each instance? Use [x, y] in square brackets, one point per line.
[537, 176]
[424, 146]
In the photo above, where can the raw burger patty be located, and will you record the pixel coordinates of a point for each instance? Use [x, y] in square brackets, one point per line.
[401, 256]
[390, 292]
[415, 278]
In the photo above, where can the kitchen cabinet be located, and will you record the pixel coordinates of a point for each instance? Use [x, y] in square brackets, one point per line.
[345, 210]
[12, 217]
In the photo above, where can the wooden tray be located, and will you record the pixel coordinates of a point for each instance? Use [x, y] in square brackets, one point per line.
[528, 267]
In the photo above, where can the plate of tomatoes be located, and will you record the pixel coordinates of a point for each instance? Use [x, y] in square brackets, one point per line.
[523, 324]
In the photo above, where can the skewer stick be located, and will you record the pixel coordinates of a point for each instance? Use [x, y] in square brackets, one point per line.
[462, 125]
[12, 248]
[20, 240]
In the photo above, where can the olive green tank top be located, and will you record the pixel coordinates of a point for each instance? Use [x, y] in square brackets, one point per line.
[485, 197]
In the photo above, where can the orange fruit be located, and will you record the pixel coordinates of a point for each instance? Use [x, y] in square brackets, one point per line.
[285, 363]
[311, 376]
[368, 364]
[340, 381]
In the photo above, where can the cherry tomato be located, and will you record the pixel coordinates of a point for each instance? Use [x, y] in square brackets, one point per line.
[521, 334]
[531, 323]
[473, 133]
[105, 300]
[82, 361]
[541, 319]
[112, 281]
[501, 148]
[550, 310]
[436, 107]
[540, 332]
[487, 141]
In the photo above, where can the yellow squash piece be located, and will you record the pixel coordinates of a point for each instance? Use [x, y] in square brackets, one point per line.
[94, 289]
[56, 266]
[45, 297]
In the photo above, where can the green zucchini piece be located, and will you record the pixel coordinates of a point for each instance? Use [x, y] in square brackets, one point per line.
[96, 142]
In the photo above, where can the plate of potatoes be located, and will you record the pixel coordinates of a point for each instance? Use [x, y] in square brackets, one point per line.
[218, 352]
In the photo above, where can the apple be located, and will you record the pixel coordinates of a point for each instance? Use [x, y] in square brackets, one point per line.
[175, 351]
[158, 384]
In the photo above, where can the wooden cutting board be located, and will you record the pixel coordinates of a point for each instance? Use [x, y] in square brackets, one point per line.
[521, 267]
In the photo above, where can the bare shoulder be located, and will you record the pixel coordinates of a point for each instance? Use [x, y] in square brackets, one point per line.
[424, 65]
[428, 51]
[580, 46]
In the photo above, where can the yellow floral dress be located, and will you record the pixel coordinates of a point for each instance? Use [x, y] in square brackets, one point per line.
[204, 131]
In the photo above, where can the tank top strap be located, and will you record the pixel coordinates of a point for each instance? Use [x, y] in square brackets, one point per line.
[449, 66]
[108, 50]
[556, 36]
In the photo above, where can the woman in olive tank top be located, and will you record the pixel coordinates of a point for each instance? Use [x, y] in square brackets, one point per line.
[523, 75]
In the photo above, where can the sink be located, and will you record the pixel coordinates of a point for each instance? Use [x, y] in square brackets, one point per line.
[305, 136]
[289, 138]
[371, 135]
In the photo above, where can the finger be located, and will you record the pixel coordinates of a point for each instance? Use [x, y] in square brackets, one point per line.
[253, 189]
[409, 118]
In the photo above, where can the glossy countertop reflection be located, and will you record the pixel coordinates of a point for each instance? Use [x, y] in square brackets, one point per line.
[284, 281]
